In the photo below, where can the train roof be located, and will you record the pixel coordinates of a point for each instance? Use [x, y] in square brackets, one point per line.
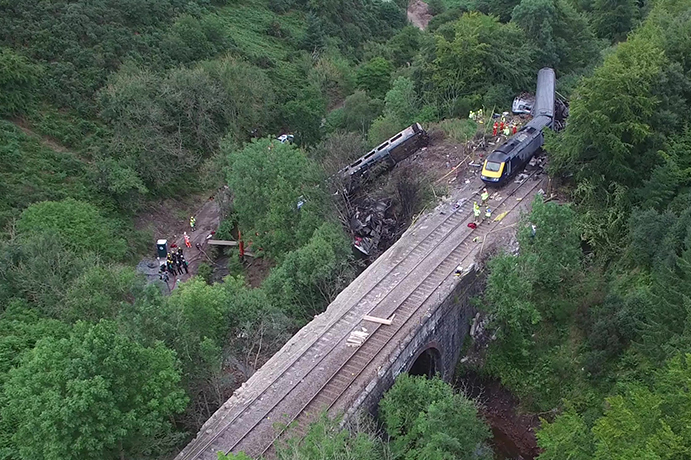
[545, 93]
[539, 122]
[524, 136]
[377, 151]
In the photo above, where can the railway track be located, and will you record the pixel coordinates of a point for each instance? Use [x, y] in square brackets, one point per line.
[359, 358]
[424, 242]
[233, 430]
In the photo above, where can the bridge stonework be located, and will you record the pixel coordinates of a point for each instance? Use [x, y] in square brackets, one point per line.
[319, 369]
[443, 330]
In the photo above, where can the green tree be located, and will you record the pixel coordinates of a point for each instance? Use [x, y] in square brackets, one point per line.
[304, 116]
[532, 298]
[566, 438]
[191, 39]
[248, 94]
[426, 419]
[374, 77]
[359, 111]
[100, 293]
[268, 179]
[18, 81]
[334, 76]
[314, 40]
[610, 145]
[326, 440]
[613, 19]
[383, 128]
[79, 225]
[562, 36]
[401, 102]
[310, 277]
[94, 395]
[436, 7]
[471, 55]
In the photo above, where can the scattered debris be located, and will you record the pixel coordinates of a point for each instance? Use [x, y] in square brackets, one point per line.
[523, 104]
[521, 178]
[369, 225]
[357, 338]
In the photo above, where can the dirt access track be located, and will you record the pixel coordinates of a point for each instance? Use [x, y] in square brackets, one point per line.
[170, 220]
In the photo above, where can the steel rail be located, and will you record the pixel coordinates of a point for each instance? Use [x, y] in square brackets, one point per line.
[451, 257]
[457, 214]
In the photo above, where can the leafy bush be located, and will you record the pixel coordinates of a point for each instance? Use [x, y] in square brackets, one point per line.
[94, 395]
[79, 225]
[18, 81]
[426, 419]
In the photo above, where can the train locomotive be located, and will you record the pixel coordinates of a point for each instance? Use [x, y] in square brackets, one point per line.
[514, 154]
[384, 156]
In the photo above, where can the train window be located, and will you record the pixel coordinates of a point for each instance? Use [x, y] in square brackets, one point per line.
[356, 163]
[369, 154]
[492, 166]
[383, 145]
[396, 137]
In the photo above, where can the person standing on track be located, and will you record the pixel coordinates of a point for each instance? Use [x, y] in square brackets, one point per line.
[187, 240]
[193, 222]
[476, 211]
[484, 197]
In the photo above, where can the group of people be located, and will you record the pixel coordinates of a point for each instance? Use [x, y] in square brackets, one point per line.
[477, 116]
[484, 197]
[175, 265]
[500, 126]
[504, 128]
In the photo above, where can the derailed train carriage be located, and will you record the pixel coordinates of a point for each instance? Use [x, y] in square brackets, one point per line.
[515, 153]
[384, 156]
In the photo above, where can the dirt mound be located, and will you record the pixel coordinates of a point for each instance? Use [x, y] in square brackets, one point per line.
[418, 14]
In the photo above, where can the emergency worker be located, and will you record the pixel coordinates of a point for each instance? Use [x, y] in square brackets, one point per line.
[484, 196]
[476, 211]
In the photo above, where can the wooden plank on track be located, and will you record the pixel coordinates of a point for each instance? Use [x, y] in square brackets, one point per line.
[375, 319]
[223, 242]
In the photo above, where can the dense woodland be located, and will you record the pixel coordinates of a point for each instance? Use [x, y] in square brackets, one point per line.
[109, 105]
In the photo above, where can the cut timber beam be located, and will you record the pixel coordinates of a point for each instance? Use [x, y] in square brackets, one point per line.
[375, 319]
[223, 242]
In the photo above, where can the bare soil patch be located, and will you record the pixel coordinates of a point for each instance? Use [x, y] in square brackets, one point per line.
[418, 14]
[513, 432]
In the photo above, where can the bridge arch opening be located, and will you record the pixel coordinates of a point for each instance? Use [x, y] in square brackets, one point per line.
[427, 364]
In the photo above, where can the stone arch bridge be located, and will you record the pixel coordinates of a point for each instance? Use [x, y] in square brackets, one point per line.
[342, 361]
